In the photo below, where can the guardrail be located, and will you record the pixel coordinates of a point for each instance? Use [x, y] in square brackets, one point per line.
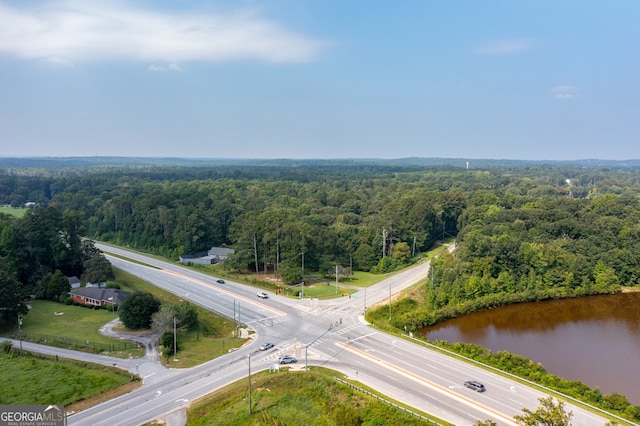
[392, 404]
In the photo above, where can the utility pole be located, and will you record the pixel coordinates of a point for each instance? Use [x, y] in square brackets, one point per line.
[336, 279]
[389, 302]
[20, 330]
[174, 337]
[365, 300]
[249, 356]
[302, 275]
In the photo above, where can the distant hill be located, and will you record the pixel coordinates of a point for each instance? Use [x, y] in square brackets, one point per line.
[412, 163]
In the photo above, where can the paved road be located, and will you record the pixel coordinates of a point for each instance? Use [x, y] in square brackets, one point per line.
[327, 333]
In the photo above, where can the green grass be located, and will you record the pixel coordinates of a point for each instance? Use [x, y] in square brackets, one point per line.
[13, 211]
[295, 397]
[30, 379]
[59, 323]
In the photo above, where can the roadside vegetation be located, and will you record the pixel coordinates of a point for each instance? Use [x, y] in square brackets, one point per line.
[29, 378]
[313, 397]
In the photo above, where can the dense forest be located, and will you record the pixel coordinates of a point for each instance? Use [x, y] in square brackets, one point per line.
[524, 231]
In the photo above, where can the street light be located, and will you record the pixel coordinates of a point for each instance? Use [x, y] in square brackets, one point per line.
[249, 357]
[389, 302]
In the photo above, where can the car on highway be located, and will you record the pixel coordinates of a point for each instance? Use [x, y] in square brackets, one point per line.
[286, 359]
[220, 281]
[262, 295]
[265, 346]
[476, 386]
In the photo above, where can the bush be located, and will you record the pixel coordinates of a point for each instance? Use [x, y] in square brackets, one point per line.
[167, 343]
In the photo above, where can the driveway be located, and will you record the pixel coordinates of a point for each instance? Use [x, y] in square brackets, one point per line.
[144, 338]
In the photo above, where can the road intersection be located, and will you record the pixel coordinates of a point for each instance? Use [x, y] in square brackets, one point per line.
[329, 333]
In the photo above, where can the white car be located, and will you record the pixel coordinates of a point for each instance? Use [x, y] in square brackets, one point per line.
[287, 359]
[262, 295]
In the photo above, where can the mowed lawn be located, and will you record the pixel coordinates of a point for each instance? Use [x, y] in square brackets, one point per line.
[77, 324]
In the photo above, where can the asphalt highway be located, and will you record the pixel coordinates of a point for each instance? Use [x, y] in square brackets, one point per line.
[330, 333]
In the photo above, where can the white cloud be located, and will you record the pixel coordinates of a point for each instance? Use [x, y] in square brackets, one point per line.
[170, 67]
[565, 92]
[503, 47]
[60, 62]
[77, 30]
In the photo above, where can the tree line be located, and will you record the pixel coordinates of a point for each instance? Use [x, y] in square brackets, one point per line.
[38, 253]
[523, 233]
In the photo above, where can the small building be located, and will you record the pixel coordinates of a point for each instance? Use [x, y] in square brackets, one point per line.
[99, 296]
[214, 255]
[74, 282]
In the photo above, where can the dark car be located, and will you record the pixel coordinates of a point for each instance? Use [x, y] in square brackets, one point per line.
[476, 386]
[220, 281]
[265, 346]
[286, 359]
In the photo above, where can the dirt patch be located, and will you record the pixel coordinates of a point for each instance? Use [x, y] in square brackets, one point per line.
[104, 396]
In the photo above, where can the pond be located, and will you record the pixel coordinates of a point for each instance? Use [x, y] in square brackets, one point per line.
[594, 339]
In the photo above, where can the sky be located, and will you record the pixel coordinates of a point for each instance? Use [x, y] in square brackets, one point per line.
[314, 79]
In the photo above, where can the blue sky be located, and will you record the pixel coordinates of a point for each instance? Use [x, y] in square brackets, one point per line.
[516, 79]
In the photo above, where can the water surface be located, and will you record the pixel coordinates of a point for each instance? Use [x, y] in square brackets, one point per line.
[594, 339]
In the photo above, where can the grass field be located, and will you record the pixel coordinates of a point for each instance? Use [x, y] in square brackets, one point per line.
[30, 379]
[73, 327]
[288, 397]
[13, 211]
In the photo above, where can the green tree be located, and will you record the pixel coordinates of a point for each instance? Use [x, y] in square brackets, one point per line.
[186, 315]
[58, 287]
[401, 252]
[365, 257]
[97, 269]
[11, 304]
[137, 309]
[549, 413]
